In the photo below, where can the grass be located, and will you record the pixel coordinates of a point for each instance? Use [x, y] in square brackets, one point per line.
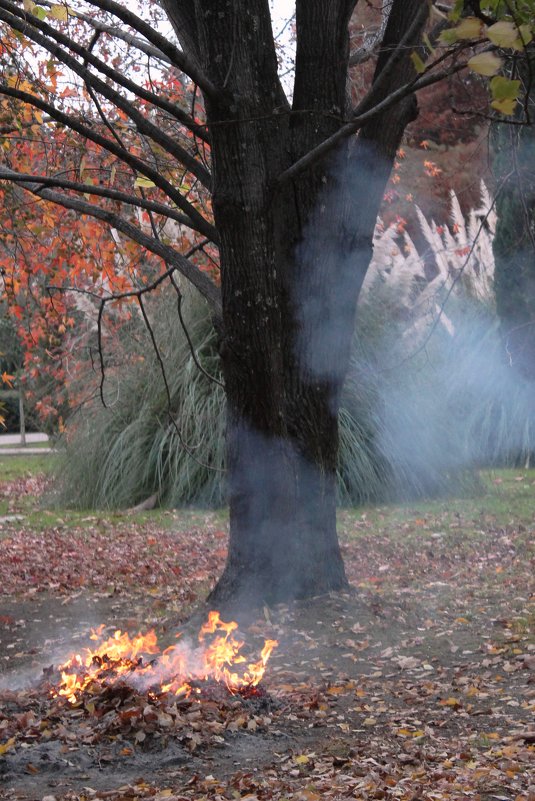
[24, 466]
[506, 498]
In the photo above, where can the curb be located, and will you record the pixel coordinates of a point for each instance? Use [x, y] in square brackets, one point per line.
[25, 451]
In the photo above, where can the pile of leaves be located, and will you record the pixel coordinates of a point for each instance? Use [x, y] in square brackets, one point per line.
[119, 716]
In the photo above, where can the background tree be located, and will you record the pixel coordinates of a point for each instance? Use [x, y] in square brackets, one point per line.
[514, 245]
[285, 181]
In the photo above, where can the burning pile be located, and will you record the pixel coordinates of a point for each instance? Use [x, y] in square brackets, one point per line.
[179, 670]
[125, 692]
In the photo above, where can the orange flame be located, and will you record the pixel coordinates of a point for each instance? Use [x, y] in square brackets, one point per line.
[173, 670]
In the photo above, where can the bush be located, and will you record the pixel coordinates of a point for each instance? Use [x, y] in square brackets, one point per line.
[138, 445]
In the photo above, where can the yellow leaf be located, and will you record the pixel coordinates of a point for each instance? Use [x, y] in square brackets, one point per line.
[469, 28]
[144, 182]
[59, 12]
[28, 5]
[485, 64]
[450, 702]
[505, 106]
[7, 745]
[302, 759]
[505, 34]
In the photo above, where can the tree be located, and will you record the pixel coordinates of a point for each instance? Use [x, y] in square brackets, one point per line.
[294, 197]
[514, 245]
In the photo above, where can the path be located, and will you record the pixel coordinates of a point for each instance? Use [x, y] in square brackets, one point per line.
[10, 445]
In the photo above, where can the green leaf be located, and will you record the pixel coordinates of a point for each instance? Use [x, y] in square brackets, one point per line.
[146, 183]
[39, 12]
[504, 88]
[526, 34]
[448, 37]
[485, 64]
[457, 10]
[505, 106]
[418, 64]
[469, 28]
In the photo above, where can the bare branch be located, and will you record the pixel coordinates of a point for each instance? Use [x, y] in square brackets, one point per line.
[176, 56]
[361, 119]
[100, 191]
[118, 33]
[382, 81]
[193, 352]
[188, 448]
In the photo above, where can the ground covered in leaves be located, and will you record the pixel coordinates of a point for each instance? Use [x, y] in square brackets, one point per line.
[420, 684]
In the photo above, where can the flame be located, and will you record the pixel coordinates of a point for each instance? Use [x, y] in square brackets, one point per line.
[172, 671]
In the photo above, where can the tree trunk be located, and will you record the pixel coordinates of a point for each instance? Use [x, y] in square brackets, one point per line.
[293, 258]
[22, 418]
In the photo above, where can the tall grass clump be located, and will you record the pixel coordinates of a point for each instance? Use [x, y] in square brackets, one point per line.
[139, 444]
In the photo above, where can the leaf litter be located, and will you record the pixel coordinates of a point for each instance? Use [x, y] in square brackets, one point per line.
[420, 684]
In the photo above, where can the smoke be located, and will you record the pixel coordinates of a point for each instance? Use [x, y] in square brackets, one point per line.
[332, 259]
[448, 396]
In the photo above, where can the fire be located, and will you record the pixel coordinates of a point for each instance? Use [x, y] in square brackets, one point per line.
[178, 669]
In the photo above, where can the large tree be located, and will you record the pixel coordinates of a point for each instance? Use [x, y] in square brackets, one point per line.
[287, 189]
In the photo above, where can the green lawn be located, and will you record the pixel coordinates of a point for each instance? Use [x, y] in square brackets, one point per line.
[24, 466]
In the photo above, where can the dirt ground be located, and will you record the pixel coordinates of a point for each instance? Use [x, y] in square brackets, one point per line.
[419, 684]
